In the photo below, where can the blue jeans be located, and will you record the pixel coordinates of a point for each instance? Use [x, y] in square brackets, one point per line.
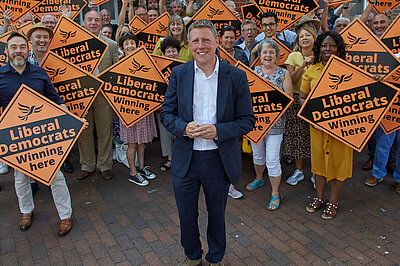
[394, 152]
[383, 146]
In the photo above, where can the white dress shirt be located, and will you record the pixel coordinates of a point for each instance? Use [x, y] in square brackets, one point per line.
[205, 104]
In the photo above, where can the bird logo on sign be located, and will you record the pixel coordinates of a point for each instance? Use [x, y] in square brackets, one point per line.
[252, 82]
[138, 67]
[66, 35]
[355, 40]
[28, 110]
[339, 79]
[161, 28]
[396, 76]
[214, 12]
[53, 73]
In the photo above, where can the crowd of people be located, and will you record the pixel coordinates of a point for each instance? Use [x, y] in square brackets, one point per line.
[313, 40]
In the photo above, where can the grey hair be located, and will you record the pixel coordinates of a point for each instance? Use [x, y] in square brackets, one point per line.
[342, 19]
[48, 14]
[247, 22]
[203, 23]
[269, 43]
[179, 2]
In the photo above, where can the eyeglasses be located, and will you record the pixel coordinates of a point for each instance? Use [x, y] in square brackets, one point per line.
[264, 25]
[249, 30]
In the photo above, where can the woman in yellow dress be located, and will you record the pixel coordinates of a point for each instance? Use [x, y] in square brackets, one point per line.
[331, 160]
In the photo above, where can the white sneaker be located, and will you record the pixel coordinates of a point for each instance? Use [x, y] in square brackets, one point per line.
[313, 180]
[234, 193]
[295, 177]
[3, 168]
[146, 173]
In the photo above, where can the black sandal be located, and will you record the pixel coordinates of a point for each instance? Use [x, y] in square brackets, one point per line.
[165, 167]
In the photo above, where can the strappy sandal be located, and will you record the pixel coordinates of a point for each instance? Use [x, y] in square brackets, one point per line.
[271, 203]
[330, 211]
[165, 167]
[255, 185]
[315, 205]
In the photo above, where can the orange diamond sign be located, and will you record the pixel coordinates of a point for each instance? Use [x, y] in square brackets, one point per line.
[391, 120]
[269, 103]
[20, 8]
[366, 51]
[137, 24]
[76, 87]
[391, 36]
[52, 7]
[77, 45]
[219, 14]
[149, 35]
[347, 103]
[36, 135]
[134, 86]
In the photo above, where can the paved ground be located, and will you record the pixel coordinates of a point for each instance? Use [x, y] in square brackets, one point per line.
[117, 222]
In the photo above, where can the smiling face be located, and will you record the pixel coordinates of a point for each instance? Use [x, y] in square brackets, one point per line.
[17, 51]
[328, 48]
[107, 32]
[176, 30]
[228, 40]
[269, 26]
[268, 56]
[93, 22]
[171, 52]
[379, 24]
[40, 40]
[106, 17]
[203, 45]
[306, 39]
[129, 46]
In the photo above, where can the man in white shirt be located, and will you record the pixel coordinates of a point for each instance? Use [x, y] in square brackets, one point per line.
[207, 107]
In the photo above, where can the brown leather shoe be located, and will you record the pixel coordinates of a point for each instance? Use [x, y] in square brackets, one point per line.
[398, 187]
[107, 174]
[369, 163]
[372, 181]
[65, 226]
[25, 221]
[83, 174]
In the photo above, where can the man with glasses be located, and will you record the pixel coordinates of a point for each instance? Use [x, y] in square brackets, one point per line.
[249, 31]
[269, 25]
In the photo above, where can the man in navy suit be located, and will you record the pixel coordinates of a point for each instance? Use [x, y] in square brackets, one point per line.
[207, 107]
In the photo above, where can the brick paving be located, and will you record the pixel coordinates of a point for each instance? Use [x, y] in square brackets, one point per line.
[119, 223]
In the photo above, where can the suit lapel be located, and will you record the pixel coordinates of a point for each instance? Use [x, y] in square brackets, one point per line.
[188, 89]
[222, 93]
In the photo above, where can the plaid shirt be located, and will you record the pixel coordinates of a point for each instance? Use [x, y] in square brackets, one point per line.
[32, 59]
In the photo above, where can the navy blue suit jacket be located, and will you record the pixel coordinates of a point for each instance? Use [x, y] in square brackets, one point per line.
[235, 116]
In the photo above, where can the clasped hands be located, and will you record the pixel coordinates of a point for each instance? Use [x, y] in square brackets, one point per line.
[205, 131]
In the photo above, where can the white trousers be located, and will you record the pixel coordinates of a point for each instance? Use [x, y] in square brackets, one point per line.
[268, 152]
[59, 189]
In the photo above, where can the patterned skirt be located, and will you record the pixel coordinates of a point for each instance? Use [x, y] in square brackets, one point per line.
[296, 142]
[143, 131]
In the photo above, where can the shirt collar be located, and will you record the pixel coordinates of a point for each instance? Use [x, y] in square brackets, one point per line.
[216, 68]
[8, 68]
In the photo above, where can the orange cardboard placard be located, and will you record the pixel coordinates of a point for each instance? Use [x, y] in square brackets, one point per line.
[219, 14]
[36, 135]
[77, 45]
[337, 3]
[23, 29]
[99, 2]
[76, 87]
[137, 24]
[252, 12]
[149, 35]
[381, 5]
[20, 7]
[347, 103]
[366, 51]
[391, 120]
[166, 64]
[288, 11]
[134, 86]
[391, 36]
[225, 55]
[284, 52]
[52, 7]
[269, 103]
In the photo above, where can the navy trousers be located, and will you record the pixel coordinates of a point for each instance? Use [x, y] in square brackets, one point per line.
[205, 170]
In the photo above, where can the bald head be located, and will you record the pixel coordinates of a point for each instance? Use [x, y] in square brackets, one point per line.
[49, 20]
